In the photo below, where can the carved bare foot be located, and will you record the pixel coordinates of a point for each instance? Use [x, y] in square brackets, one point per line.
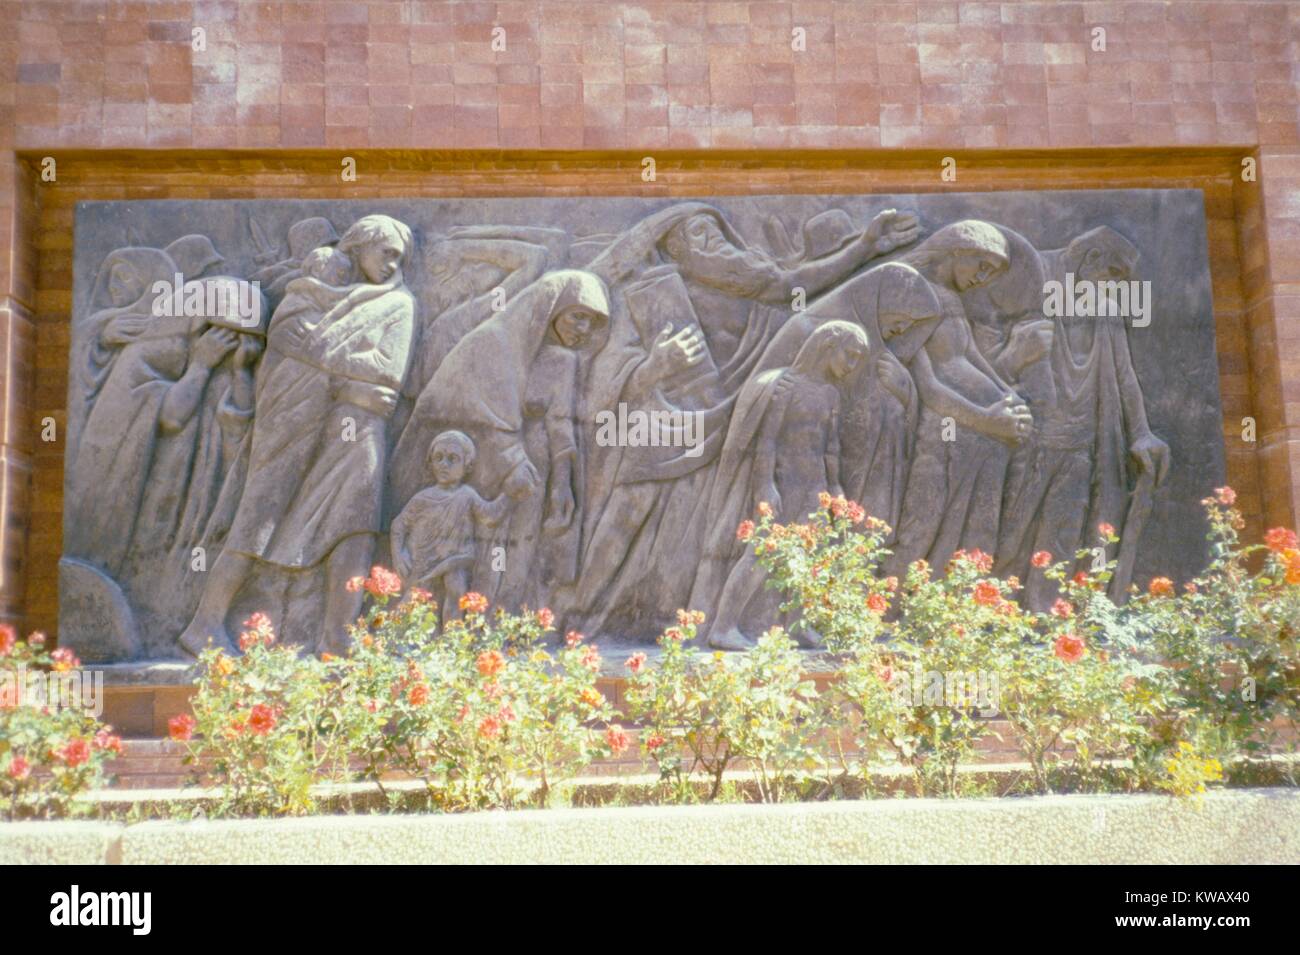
[197, 636]
[731, 639]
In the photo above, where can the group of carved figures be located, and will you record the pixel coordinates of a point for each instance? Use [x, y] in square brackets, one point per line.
[449, 429]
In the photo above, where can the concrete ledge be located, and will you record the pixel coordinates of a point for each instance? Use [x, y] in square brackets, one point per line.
[1246, 826]
[1240, 826]
[59, 843]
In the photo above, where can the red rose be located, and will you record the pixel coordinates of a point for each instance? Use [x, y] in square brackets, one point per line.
[745, 531]
[417, 695]
[489, 727]
[1105, 530]
[1226, 495]
[490, 663]
[1062, 609]
[104, 740]
[1041, 559]
[75, 752]
[877, 603]
[1278, 540]
[591, 658]
[19, 769]
[181, 728]
[8, 637]
[617, 739]
[987, 594]
[1160, 587]
[354, 584]
[1070, 647]
[545, 618]
[382, 582]
[636, 662]
[572, 639]
[261, 719]
[653, 742]
[473, 602]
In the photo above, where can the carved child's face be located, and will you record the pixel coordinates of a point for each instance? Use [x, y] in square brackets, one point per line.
[448, 463]
[973, 271]
[573, 326]
[844, 361]
[329, 266]
[123, 285]
[380, 259]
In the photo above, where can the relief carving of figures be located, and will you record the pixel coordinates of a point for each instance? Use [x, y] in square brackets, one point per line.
[313, 494]
[581, 423]
[512, 385]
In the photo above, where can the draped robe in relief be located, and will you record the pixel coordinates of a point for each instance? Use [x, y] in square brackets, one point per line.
[307, 486]
[514, 389]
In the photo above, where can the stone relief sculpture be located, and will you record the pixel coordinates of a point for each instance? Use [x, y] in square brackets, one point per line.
[582, 422]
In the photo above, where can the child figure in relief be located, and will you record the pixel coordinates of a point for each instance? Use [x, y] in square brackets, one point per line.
[327, 264]
[434, 539]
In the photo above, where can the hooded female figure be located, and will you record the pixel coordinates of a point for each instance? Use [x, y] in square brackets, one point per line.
[513, 384]
[313, 495]
[136, 361]
[782, 448]
[898, 311]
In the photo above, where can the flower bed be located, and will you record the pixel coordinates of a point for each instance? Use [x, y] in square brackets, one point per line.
[1173, 691]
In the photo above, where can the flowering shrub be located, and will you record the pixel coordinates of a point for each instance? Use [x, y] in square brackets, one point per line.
[707, 711]
[481, 709]
[1230, 639]
[49, 752]
[267, 723]
[1081, 684]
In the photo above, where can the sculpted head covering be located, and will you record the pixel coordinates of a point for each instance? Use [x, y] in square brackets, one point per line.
[127, 275]
[480, 386]
[194, 255]
[967, 237]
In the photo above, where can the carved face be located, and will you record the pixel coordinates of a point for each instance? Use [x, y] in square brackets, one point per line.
[893, 324]
[844, 361]
[973, 271]
[573, 326]
[124, 285]
[1099, 266]
[379, 260]
[448, 462]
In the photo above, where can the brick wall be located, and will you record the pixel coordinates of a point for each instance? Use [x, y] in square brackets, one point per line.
[117, 96]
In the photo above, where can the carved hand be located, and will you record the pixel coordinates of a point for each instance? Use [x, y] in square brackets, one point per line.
[672, 353]
[523, 481]
[1009, 420]
[894, 378]
[889, 230]
[123, 329]
[559, 508]
[1152, 456]
[250, 347]
[214, 345]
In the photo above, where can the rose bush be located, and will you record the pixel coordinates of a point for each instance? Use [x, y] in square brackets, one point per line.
[709, 712]
[52, 748]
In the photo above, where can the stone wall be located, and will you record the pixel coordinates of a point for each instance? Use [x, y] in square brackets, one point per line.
[114, 94]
